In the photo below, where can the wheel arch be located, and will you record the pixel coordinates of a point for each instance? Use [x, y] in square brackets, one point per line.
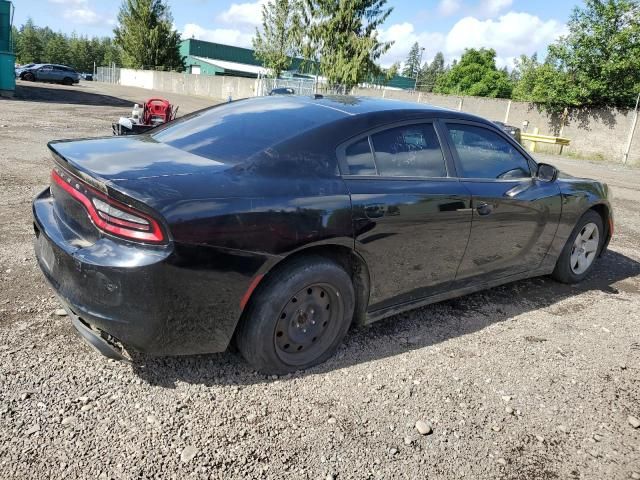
[604, 211]
[341, 254]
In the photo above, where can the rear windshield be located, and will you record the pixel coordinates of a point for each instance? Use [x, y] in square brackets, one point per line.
[235, 131]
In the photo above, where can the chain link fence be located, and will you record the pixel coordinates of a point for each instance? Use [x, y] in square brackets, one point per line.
[108, 74]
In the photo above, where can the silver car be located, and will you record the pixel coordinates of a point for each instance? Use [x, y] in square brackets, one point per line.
[47, 72]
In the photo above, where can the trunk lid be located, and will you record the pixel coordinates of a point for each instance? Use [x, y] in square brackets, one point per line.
[113, 159]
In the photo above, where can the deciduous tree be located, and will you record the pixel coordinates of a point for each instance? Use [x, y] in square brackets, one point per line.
[475, 74]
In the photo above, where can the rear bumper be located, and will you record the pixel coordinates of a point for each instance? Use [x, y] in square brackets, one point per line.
[149, 298]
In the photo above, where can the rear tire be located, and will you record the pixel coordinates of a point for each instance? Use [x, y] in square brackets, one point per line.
[581, 250]
[298, 318]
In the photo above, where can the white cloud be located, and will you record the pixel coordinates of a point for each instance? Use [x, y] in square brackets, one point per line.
[490, 8]
[228, 36]
[510, 35]
[448, 7]
[247, 13]
[82, 16]
[404, 36]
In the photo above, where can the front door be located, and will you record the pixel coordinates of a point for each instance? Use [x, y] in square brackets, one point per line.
[411, 219]
[515, 216]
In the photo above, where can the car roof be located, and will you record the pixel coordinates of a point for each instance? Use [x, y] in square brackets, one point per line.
[346, 106]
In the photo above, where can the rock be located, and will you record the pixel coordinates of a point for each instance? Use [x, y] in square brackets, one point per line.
[633, 421]
[597, 438]
[61, 312]
[251, 418]
[509, 410]
[540, 438]
[69, 420]
[563, 428]
[635, 475]
[423, 427]
[86, 408]
[496, 428]
[152, 419]
[501, 461]
[32, 430]
[408, 440]
[188, 453]
[506, 398]
[83, 399]
[393, 451]
[330, 476]
[331, 421]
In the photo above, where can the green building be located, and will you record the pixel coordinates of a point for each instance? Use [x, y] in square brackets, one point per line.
[208, 58]
[7, 57]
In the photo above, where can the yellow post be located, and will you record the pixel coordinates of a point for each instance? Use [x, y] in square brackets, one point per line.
[533, 144]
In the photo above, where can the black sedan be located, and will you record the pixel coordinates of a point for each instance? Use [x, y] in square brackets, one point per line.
[278, 222]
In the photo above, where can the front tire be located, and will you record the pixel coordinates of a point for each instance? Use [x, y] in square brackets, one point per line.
[29, 77]
[298, 318]
[581, 250]
[67, 81]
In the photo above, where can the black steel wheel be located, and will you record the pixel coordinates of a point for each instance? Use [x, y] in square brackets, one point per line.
[308, 323]
[29, 77]
[298, 317]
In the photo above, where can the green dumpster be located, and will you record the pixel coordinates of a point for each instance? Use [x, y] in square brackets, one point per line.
[7, 57]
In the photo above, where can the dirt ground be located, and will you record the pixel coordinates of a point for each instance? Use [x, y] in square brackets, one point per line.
[533, 380]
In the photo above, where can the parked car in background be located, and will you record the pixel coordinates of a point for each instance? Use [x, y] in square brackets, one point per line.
[21, 68]
[279, 221]
[48, 72]
[87, 76]
[282, 91]
[515, 132]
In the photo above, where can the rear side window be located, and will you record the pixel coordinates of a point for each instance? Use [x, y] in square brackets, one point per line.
[360, 159]
[409, 151]
[485, 154]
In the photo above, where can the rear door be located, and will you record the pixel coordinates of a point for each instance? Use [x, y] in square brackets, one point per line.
[411, 218]
[515, 216]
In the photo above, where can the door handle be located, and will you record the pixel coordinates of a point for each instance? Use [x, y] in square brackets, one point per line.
[484, 208]
[374, 210]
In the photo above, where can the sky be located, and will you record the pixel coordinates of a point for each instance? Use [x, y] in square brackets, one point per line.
[511, 27]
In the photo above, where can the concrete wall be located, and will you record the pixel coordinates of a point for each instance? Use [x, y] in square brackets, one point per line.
[136, 78]
[595, 133]
[218, 86]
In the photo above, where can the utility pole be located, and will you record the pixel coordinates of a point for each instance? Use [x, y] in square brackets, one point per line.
[634, 122]
[415, 86]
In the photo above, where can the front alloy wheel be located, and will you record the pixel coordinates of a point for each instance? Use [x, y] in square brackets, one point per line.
[585, 248]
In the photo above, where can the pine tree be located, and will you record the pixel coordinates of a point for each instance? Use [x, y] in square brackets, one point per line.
[146, 35]
[344, 34]
[57, 49]
[279, 39]
[412, 64]
[29, 47]
[430, 73]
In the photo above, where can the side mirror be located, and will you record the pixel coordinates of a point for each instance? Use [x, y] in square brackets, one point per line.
[546, 172]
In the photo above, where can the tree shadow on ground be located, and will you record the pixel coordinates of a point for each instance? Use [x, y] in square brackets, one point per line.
[73, 95]
[405, 332]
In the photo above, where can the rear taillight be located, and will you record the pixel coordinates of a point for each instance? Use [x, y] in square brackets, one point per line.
[107, 214]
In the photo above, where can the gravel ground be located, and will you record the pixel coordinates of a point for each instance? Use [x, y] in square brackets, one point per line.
[533, 380]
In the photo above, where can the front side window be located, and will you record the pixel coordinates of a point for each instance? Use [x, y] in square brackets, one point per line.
[485, 154]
